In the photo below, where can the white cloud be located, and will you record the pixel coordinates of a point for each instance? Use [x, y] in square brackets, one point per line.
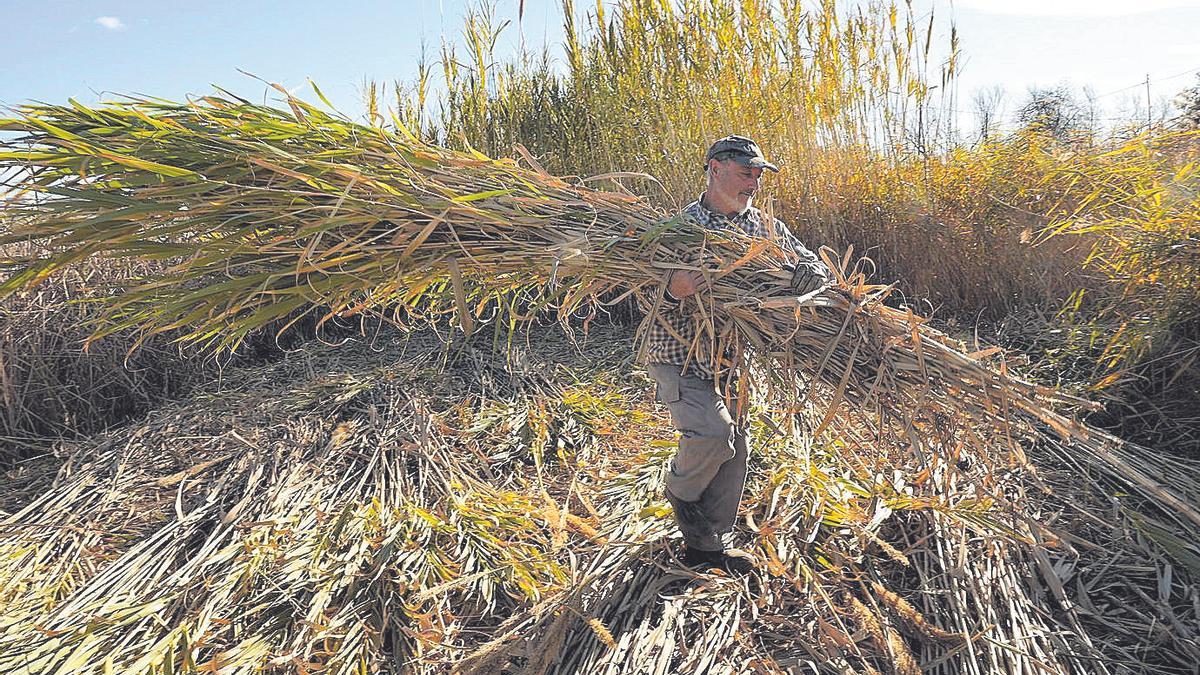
[1184, 50]
[110, 22]
[1071, 7]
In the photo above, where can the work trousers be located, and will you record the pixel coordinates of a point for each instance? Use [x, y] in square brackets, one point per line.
[708, 473]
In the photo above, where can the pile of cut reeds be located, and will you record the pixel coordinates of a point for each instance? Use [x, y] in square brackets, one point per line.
[262, 215]
[397, 507]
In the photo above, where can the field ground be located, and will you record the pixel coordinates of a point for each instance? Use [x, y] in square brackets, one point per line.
[419, 503]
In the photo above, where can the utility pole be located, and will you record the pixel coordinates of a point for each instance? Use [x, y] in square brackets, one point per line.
[1147, 101]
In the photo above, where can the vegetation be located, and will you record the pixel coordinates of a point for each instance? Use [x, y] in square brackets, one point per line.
[403, 508]
[462, 495]
[1052, 220]
[52, 389]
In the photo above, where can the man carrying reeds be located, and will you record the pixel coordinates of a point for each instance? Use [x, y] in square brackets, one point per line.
[708, 473]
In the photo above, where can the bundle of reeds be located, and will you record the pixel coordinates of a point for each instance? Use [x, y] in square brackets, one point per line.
[264, 215]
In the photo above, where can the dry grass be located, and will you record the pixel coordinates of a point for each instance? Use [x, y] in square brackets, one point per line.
[56, 386]
[53, 388]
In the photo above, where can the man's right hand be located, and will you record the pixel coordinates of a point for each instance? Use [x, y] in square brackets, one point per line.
[684, 283]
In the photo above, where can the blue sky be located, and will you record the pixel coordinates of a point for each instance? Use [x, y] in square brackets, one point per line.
[56, 49]
[1107, 45]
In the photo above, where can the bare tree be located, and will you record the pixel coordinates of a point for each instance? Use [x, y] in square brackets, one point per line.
[989, 110]
[1188, 104]
[1053, 111]
[1091, 112]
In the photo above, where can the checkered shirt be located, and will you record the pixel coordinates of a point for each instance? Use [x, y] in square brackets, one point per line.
[672, 333]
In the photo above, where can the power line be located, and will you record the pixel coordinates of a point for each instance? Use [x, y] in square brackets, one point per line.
[1148, 80]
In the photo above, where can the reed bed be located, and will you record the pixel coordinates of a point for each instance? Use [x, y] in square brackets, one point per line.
[261, 215]
[857, 102]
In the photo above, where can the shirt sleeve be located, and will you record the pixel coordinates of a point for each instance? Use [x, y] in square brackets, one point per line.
[671, 300]
[807, 257]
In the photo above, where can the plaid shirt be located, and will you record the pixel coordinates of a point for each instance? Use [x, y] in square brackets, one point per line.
[672, 333]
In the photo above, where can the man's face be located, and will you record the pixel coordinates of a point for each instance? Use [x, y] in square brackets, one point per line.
[734, 184]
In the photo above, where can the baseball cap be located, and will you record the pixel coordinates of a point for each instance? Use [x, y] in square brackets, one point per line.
[740, 149]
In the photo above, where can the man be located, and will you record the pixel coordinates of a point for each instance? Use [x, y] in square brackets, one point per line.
[708, 472]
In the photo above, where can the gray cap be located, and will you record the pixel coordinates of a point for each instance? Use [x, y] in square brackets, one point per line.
[740, 149]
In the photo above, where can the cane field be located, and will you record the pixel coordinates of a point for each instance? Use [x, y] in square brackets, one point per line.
[287, 391]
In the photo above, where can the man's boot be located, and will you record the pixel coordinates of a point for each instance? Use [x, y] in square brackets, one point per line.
[732, 561]
[697, 527]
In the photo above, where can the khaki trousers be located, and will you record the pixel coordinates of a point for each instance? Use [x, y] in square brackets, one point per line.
[708, 473]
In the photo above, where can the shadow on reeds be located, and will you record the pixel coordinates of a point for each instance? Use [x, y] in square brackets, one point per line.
[55, 388]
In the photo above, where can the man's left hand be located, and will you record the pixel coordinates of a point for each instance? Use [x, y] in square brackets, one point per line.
[808, 278]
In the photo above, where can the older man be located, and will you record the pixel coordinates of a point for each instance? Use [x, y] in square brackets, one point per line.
[708, 473]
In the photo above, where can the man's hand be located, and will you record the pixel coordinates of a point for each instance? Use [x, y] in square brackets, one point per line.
[684, 283]
[808, 278]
